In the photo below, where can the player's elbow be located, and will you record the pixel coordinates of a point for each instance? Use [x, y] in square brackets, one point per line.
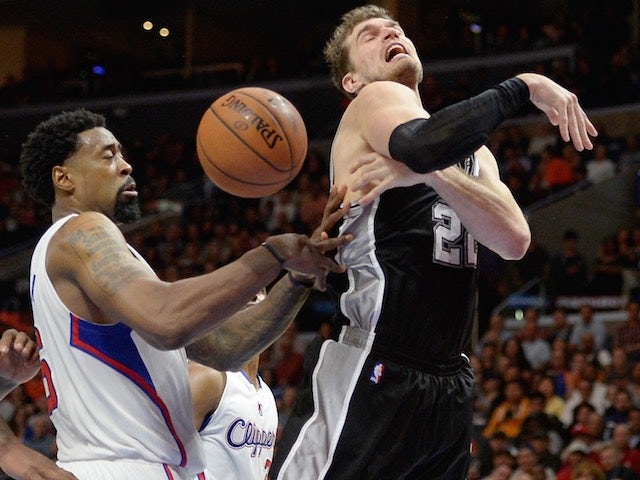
[170, 337]
[518, 244]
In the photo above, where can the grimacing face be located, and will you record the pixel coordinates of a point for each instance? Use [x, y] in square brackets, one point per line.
[379, 50]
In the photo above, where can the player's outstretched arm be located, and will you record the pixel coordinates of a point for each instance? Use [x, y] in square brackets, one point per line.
[249, 331]
[90, 253]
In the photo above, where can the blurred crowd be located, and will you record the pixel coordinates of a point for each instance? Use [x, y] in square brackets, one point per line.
[603, 70]
[558, 401]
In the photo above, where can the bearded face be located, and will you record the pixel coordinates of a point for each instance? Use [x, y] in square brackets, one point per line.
[126, 209]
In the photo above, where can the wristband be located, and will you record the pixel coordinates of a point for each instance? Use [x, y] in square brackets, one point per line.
[274, 251]
[300, 283]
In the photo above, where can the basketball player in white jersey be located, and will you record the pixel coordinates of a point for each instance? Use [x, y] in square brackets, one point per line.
[112, 334]
[237, 418]
[19, 364]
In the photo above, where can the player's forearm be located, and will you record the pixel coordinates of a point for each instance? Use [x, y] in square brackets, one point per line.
[451, 134]
[487, 210]
[23, 463]
[250, 331]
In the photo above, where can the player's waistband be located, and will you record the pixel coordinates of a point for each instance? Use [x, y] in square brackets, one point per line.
[367, 340]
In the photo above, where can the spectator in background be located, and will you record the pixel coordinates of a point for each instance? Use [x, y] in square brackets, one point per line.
[556, 170]
[617, 413]
[629, 159]
[544, 137]
[618, 373]
[569, 269]
[511, 413]
[627, 335]
[633, 385]
[607, 272]
[630, 456]
[528, 463]
[561, 328]
[587, 470]
[495, 332]
[559, 371]
[553, 403]
[600, 167]
[488, 397]
[514, 354]
[536, 350]
[588, 323]
[634, 426]
[574, 454]
[611, 461]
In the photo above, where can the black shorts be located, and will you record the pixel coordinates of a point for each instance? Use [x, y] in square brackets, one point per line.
[372, 418]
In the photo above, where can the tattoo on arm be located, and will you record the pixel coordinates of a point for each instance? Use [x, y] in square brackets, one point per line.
[250, 331]
[108, 262]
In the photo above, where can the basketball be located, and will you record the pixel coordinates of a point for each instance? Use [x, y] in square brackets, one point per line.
[251, 142]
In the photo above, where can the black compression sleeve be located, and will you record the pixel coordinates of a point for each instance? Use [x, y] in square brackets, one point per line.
[451, 134]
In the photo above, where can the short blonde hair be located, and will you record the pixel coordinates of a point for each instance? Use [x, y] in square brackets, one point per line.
[335, 52]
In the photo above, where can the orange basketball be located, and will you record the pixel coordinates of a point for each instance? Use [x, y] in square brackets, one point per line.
[251, 142]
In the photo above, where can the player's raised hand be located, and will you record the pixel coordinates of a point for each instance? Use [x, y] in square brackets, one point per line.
[374, 174]
[562, 108]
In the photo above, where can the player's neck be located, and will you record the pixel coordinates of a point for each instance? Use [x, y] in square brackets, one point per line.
[251, 370]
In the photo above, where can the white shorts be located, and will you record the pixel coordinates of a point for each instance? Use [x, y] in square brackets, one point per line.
[127, 469]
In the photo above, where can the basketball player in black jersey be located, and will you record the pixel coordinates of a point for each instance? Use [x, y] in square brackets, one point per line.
[392, 398]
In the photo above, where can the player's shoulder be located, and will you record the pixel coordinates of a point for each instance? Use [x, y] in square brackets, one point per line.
[207, 386]
[83, 221]
[80, 234]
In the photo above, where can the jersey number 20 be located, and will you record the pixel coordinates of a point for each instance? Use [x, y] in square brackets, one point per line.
[453, 245]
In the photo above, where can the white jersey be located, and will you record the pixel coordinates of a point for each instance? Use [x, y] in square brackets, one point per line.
[114, 399]
[239, 437]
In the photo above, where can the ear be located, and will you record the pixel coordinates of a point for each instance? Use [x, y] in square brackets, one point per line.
[351, 83]
[61, 178]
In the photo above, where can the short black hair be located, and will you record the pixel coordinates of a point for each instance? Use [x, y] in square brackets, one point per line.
[50, 144]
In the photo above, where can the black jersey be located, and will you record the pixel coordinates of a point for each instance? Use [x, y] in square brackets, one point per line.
[411, 275]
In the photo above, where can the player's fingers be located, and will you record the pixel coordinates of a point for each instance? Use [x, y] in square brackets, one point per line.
[20, 341]
[371, 195]
[330, 220]
[335, 242]
[589, 130]
[30, 353]
[6, 341]
[575, 126]
[364, 160]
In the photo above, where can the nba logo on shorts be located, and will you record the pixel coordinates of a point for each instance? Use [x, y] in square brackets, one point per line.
[376, 375]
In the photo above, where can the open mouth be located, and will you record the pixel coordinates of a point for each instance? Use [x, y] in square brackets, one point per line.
[393, 51]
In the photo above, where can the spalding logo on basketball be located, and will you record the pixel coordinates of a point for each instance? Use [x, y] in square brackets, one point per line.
[251, 142]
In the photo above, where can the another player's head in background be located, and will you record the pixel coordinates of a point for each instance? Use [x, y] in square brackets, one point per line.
[369, 45]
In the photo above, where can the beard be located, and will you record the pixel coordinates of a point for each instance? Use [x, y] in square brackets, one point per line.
[126, 209]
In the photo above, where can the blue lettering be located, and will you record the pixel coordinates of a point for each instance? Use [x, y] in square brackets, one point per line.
[245, 434]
